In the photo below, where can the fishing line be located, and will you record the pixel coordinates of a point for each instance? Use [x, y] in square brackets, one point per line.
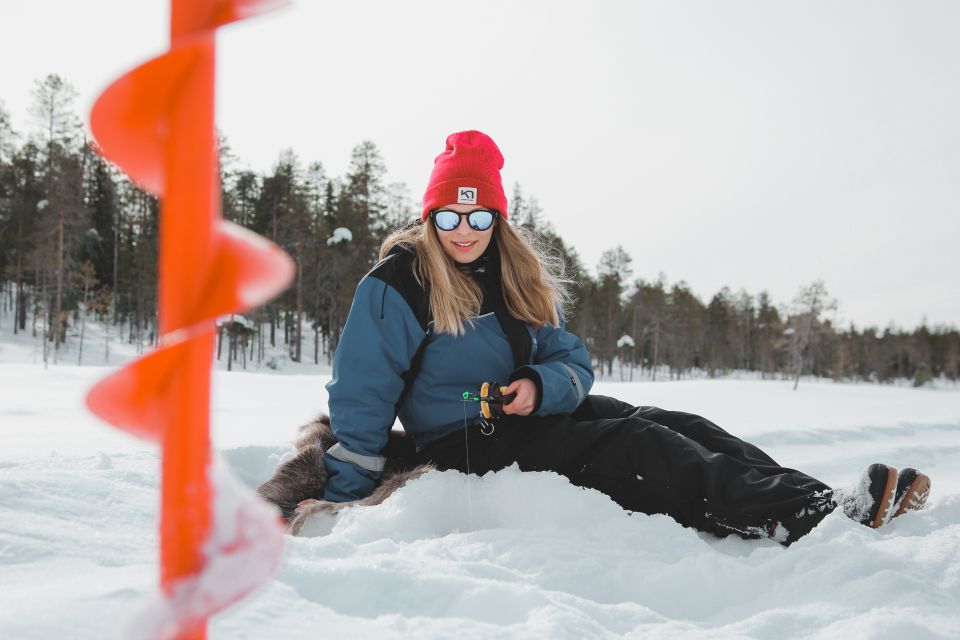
[466, 445]
[491, 400]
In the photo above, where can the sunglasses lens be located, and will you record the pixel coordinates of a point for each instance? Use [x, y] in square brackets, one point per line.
[446, 220]
[480, 220]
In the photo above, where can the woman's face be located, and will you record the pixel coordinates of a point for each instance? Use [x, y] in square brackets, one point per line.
[464, 244]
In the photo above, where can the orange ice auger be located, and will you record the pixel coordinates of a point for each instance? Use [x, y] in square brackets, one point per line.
[156, 122]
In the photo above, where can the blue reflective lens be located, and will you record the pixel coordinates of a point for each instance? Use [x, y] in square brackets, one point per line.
[480, 219]
[447, 220]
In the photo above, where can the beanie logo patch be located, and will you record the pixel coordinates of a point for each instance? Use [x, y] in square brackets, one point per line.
[466, 195]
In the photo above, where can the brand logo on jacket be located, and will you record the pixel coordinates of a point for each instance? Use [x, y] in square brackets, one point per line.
[466, 195]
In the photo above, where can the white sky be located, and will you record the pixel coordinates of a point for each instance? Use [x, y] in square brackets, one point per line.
[756, 144]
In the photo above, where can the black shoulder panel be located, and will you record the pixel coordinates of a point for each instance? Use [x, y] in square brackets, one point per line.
[398, 270]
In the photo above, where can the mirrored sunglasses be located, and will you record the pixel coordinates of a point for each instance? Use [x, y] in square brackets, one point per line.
[448, 220]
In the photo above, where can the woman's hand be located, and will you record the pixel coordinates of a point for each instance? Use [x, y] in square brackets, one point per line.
[526, 398]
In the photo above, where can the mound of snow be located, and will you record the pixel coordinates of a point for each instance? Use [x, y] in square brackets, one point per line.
[511, 554]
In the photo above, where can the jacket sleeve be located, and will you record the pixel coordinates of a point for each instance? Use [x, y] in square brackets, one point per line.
[379, 340]
[561, 371]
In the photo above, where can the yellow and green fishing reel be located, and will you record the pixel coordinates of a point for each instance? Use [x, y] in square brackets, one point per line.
[491, 399]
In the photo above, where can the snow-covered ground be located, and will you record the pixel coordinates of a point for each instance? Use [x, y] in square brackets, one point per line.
[106, 345]
[511, 554]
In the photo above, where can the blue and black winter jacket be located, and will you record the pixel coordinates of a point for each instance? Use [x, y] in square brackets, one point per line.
[388, 323]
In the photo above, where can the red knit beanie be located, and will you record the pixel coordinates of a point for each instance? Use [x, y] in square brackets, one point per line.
[467, 172]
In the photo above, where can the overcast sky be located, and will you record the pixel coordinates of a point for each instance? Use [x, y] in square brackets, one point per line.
[754, 144]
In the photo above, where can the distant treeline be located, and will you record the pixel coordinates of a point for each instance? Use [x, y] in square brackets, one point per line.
[77, 238]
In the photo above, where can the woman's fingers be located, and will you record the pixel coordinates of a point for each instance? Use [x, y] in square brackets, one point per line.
[515, 388]
[526, 397]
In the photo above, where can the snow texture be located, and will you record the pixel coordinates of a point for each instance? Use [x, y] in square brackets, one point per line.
[340, 234]
[235, 318]
[512, 554]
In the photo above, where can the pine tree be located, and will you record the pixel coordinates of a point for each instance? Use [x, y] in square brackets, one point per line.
[8, 136]
[101, 236]
[518, 205]
[7, 195]
[805, 324]
[274, 204]
[244, 193]
[363, 203]
[315, 194]
[398, 210]
[58, 131]
[301, 221]
[742, 328]
[333, 262]
[650, 320]
[613, 273]
[686, 318]
[26, 198]
[768, 335]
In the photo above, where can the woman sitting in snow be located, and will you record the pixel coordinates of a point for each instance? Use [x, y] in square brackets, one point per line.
[460, 298]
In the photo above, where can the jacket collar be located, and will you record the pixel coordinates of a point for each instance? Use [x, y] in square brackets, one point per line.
[488, 263]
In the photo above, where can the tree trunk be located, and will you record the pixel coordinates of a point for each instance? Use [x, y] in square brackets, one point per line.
[116, 262]
[44, 312]
[254, 339]
[317, 310]
[20, 314]
[58, 322]
[261, 346]
[20, 309]
[140, 313]
[83, 323]
[298, 328]
[656, 348]
[273, 326]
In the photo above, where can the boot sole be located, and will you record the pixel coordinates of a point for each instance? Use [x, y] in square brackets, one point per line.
[915, 496]
[886, 504]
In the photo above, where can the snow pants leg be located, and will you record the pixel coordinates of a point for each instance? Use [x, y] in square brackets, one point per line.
[652, 461]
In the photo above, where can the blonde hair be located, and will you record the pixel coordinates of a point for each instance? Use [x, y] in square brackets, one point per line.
[535, 287]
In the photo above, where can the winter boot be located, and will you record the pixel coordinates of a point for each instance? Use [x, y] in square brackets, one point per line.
[871, 502]
[913, 488]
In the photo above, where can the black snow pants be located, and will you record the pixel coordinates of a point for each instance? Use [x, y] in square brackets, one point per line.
[650, 460]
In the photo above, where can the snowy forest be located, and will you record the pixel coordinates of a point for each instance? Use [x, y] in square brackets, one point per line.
[78, 243]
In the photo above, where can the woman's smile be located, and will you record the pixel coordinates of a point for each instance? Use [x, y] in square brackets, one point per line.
[464, 244]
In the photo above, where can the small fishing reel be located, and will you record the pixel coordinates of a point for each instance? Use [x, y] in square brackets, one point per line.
[491, 399]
